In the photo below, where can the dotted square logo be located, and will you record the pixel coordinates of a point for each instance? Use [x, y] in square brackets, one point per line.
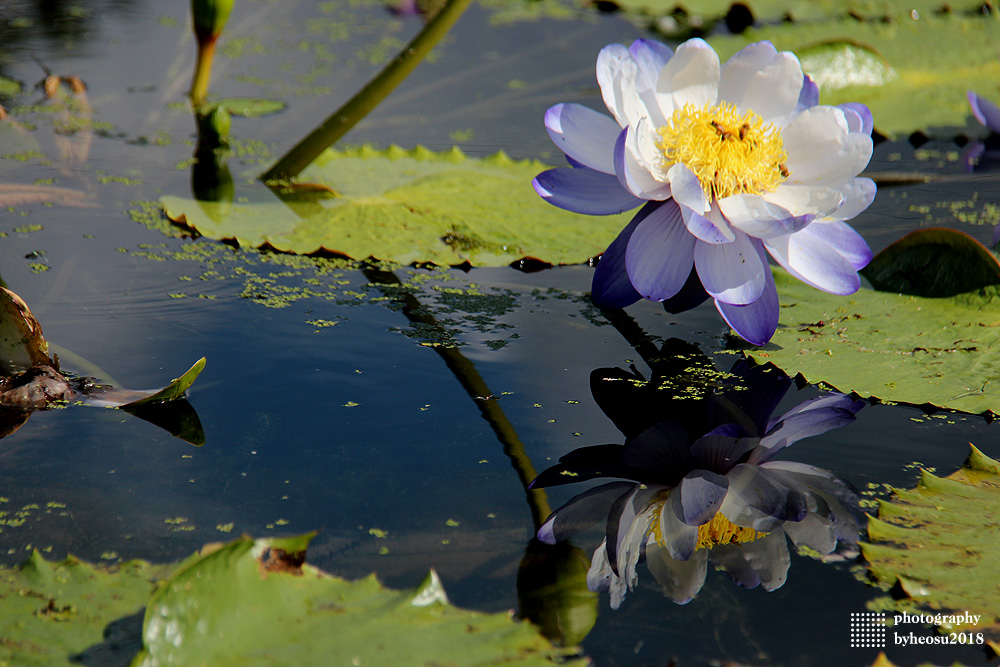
[868, 629]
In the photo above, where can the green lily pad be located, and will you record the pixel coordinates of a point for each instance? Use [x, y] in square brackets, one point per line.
[54, 610]
[255, 602]
[838, 64]
[132, 398]
[873, 52]
[933, 262]
[898, 348]
[248, 602]
[410, 206]
[249, 107]
[939, 544]
[907, 85]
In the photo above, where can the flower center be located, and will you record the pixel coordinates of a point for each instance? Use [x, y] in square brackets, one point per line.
[716, 532]
[729, 152]
[721, 530]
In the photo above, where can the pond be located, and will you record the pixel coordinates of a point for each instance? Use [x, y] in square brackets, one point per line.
[398, 411]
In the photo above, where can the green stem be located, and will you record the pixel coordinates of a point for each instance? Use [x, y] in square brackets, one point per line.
[344, 118]
[202, 72]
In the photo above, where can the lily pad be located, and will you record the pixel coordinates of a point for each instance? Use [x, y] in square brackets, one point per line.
[54, 610]
[933, 262]
[928, 88]
[256, 602]
[939, 545]
[136, 398]
[410, 206]
[898, 348]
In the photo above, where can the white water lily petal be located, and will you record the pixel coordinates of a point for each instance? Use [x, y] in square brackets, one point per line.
[773, 92]
[631, 161]
[737, 72]
[616, 72]
[680, 580]
[730, 272]
[822, 150]
[686, 189]
[859, 193]
[650, 57]
[584, 135]
[690, 77]
[764, 219]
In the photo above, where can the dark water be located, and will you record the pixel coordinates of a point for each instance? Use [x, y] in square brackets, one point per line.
[360, 430]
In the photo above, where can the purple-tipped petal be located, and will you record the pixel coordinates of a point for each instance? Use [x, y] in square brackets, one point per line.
[679, 539]
[584, 135]
[809, 95]
[799, 426]
[830, 400]
[691, 295]
[761, 501]
[621, 529]
[842, 238]
[631, 173]
[721, 451]
[808, 257]
[611, 287]
[584, 191]
[686, 189]
[712, 228]
[860, 118]
[763, 562]
[985, 111]
[650, 57]
[731, 272]
[859, 193]
[582, 512]
[702, 493]
[784, 211]
[660, 254]
[663, 451]
[755, 322]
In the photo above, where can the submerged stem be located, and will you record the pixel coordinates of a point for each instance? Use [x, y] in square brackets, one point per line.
[475, 386]
[344, 118]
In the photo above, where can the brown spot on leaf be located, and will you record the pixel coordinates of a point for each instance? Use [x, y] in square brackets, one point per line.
[274, 559]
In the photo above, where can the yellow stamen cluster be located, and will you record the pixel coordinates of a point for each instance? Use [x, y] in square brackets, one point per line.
[716, 532]
[730, 153]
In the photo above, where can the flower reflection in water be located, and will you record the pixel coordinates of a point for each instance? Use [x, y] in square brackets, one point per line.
[698, 480]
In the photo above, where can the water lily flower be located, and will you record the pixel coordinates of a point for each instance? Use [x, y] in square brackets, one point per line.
[730, 162]
[685, 496]
[986, 112]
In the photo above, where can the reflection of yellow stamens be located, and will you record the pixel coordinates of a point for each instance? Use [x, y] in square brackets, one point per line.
[730, 153]
[718, 531]
[721, 530]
